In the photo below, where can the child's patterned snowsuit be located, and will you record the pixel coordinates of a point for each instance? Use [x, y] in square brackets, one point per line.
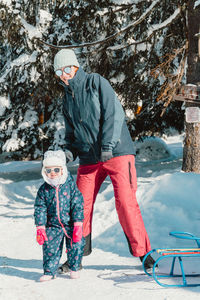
[57, 208]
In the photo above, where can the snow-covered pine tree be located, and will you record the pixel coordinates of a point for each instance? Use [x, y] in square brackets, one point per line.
[140, 57]
[27, 94]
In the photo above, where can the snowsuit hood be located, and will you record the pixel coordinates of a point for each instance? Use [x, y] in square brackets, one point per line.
[55, 158]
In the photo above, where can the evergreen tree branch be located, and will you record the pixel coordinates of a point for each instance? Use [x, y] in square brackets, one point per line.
[172, 81]
[109, 38]
[151, 33]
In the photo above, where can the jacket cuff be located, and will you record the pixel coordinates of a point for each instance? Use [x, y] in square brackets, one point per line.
[40, 227]
[106, 148]
[78, 223]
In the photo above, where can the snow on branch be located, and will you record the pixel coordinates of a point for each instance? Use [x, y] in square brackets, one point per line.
[197, 3]
[164, 24]
[18, 62]
[151, 32]
[107, 39]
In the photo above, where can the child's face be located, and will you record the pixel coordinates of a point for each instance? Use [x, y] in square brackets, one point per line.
[53, 171]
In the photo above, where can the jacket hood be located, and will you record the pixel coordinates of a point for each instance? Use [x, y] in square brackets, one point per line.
[56, 181]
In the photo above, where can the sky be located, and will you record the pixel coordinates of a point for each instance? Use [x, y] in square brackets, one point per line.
[168, 199]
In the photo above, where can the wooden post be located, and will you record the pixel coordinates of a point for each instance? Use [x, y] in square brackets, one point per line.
[191, 150]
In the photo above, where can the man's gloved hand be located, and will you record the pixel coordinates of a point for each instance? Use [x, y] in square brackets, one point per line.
[106, 155]
[69, 156]
[41, 235]
[77, 232]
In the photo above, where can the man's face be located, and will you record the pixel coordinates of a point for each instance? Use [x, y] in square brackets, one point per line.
[69, 75]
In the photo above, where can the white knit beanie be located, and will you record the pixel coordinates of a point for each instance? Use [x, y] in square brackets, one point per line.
[55, 159]
[64, 58]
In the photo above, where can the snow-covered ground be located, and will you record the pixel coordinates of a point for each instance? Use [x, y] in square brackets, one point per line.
[169, 201]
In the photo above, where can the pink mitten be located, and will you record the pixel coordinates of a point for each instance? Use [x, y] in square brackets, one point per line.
[41, 235]
[77, 232]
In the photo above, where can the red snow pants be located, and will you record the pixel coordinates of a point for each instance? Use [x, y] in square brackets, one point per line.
[122, 173]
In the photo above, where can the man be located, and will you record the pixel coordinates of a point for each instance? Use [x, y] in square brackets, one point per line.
[97, 133]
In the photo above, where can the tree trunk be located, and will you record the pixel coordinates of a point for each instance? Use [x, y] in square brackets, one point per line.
[191, 151]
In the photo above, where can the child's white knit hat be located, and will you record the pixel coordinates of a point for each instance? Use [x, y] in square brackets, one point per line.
[64, 58]
[54, 158]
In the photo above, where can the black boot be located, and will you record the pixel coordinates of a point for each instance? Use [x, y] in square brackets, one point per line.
[65, 268]
[149, 262]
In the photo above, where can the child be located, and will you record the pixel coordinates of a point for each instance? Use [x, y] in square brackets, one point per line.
[58, 215]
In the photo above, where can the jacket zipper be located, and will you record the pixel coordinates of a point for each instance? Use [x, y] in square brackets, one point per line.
[58, 214]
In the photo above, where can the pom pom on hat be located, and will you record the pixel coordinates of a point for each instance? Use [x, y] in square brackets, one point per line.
[54, 158]
[65, 57]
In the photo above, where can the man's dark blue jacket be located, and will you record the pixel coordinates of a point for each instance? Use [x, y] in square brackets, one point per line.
[94, 119]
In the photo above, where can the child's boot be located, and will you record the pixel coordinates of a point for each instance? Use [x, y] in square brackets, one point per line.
[74, 274]
[46, 278]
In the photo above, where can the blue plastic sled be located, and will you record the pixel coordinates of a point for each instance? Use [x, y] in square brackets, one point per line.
[175, 255]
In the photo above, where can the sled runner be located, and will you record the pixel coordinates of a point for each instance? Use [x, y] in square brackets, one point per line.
[175, 255]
